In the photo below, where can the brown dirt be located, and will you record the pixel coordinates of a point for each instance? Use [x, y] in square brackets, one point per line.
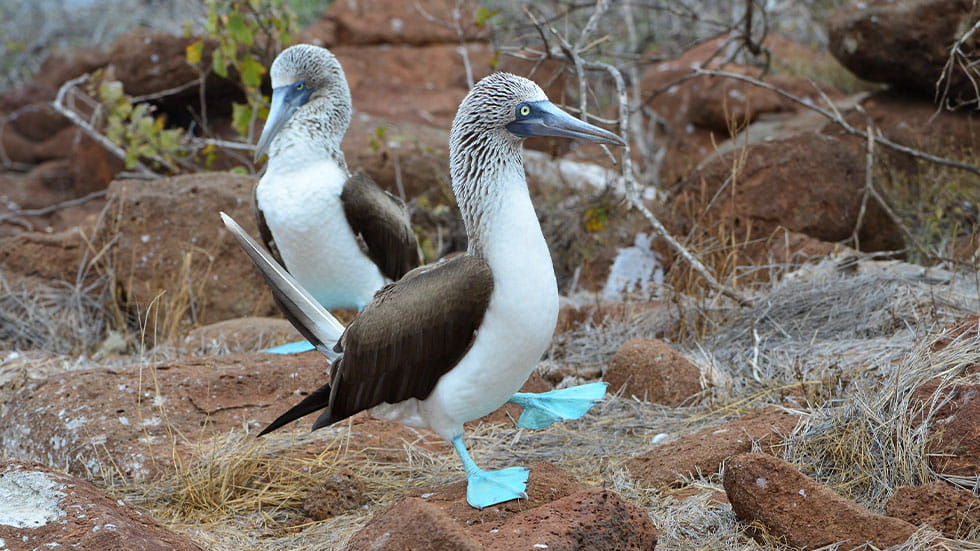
[653, 371]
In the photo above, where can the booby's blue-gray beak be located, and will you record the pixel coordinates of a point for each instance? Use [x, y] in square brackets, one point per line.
[285, 101]
[543, 118]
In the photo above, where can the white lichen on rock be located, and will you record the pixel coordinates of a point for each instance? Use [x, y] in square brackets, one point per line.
[29, 499]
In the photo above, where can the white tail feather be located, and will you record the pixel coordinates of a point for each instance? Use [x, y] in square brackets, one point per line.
[316, 319]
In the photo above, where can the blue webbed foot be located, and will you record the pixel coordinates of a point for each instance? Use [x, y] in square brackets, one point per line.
[291, 348]
[541, 410]
[486, 488]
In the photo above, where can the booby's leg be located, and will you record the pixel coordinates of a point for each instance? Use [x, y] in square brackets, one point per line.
[486, 488]
[541, 410]
[291, 348]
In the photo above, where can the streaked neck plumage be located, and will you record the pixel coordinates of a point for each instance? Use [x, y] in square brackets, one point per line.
[313, 133]
[485, 167]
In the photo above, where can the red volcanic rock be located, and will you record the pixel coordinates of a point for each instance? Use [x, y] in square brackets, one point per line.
[768, 193]
[147, 61]
[953, 445]
[704, 451]
[905, 43]
[393, 22]
[166, 235]
[652, 370]
[702, 111]
[769, 491]
[44, 509]
[953, 511]
[62, 66]
[52, 257]
[560, 512]
[388, 81]
[126, 419]
[37, 121]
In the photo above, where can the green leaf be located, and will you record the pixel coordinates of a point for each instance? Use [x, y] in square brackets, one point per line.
[483, 15]
[194, 51]
[238, 30]
[252, 71]
[241, 117]
[219, 64]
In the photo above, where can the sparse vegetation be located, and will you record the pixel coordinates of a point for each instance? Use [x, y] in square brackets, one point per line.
[843, 340]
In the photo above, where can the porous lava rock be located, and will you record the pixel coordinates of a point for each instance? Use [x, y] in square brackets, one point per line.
[771, 492]
[953, 511]
[704, 451]
[905, 43]
[560, 513]
[652, 370]
[41, 508]
[170, 252]
[766, 192]
[131, 420]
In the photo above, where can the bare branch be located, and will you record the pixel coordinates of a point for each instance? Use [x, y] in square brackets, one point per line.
[52, 208]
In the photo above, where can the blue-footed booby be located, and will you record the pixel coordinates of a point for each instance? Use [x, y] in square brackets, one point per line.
[452, 341]
[339, 235]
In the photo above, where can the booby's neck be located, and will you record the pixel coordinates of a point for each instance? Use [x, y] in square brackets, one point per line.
[501, 225]
[313, 134]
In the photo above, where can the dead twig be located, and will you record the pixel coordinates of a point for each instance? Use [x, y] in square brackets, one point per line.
[53, 208]
[568, 54]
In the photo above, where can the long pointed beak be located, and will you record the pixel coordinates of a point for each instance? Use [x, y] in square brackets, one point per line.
[546, 119]
[285, 101]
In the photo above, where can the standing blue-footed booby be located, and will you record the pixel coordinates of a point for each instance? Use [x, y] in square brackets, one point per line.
[452, 341]
[340, 236]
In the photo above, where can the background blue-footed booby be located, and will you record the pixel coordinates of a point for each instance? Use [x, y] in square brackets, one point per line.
[452, 341]
[340, 236]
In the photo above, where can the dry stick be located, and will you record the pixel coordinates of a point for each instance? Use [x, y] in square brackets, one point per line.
[869, 164]
[839, 120]
[58, 105]
[629, 181]
[55, 207]
[955, 53]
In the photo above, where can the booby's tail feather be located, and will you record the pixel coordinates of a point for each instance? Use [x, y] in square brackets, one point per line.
[541, 410]
[317, 400]
[302, 310]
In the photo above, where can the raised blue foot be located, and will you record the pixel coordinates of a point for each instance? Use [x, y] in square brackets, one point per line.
[541, 410]
[291, 348]
[486, 488]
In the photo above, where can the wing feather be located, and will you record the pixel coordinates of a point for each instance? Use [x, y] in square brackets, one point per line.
[381, 221]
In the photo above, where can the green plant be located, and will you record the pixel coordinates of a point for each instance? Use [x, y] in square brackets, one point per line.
[247, 35]
[133, 127]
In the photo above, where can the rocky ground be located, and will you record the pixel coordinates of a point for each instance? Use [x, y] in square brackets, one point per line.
[836, 408]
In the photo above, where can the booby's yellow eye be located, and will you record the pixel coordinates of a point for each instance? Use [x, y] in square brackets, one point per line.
[300, 85]
[525, 110]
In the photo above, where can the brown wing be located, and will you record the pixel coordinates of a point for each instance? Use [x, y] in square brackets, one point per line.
[264, 231]
[410, 335]
[382, 222]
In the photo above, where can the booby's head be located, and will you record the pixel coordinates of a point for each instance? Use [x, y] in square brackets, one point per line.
[513, 108]
[306, 78]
